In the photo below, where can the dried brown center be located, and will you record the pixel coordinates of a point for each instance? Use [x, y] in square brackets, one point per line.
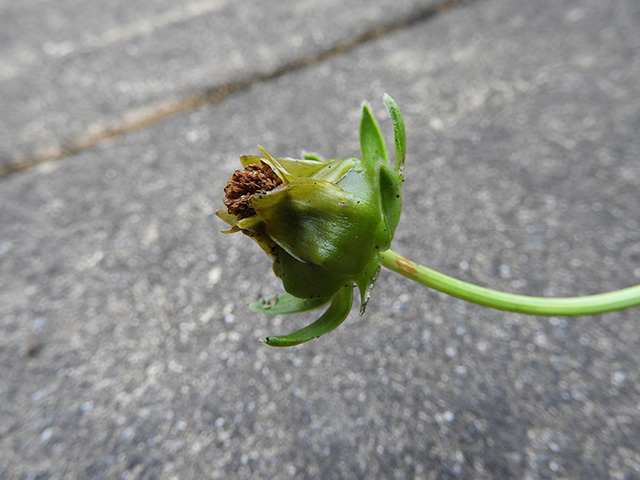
[255, 178]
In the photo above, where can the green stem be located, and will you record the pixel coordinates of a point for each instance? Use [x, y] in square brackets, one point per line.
[570, 306]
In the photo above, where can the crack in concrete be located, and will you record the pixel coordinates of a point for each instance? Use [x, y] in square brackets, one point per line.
[146, 116]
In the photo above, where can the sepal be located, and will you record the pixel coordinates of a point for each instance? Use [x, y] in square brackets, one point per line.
[371, 139]
[399, 134]
[337, 312]
[366, 280]
[317, 222]
[286, 304]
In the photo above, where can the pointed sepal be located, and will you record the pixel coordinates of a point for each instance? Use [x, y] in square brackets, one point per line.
[332, 318]
[399, 134]
[366, 280]
[390, 188]
[371, 139]
[313, 156]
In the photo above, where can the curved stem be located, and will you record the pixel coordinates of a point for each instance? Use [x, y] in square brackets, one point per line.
[570, 306]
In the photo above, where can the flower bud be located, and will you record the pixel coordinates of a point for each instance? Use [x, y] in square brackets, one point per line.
[322, 222]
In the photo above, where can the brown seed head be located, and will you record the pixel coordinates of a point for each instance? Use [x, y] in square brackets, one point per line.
[254, 179]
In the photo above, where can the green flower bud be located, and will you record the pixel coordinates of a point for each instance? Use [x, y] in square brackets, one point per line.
[322, 222]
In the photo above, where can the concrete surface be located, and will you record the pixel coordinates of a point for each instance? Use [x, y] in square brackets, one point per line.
[128, 349]
[72, 70]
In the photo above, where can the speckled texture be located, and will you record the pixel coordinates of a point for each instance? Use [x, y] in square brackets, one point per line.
[128, 349]
[71, 68]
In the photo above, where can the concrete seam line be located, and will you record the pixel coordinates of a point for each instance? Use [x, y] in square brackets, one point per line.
[148, 115]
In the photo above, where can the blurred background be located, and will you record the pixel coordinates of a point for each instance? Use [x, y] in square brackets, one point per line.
[127, 346]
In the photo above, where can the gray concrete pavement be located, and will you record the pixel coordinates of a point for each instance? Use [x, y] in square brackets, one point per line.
[72, 71]
[128, 349]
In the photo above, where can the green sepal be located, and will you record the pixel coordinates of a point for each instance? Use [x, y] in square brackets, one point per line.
[286, 168]
[366, 280]
[335, 170]
[371, 139]
[399, 134]
[306, 280]
[390, 198]
[313, 156]
[247, 160]
[227, 218]
[285, 304]
[317, 222]
[337, 312]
